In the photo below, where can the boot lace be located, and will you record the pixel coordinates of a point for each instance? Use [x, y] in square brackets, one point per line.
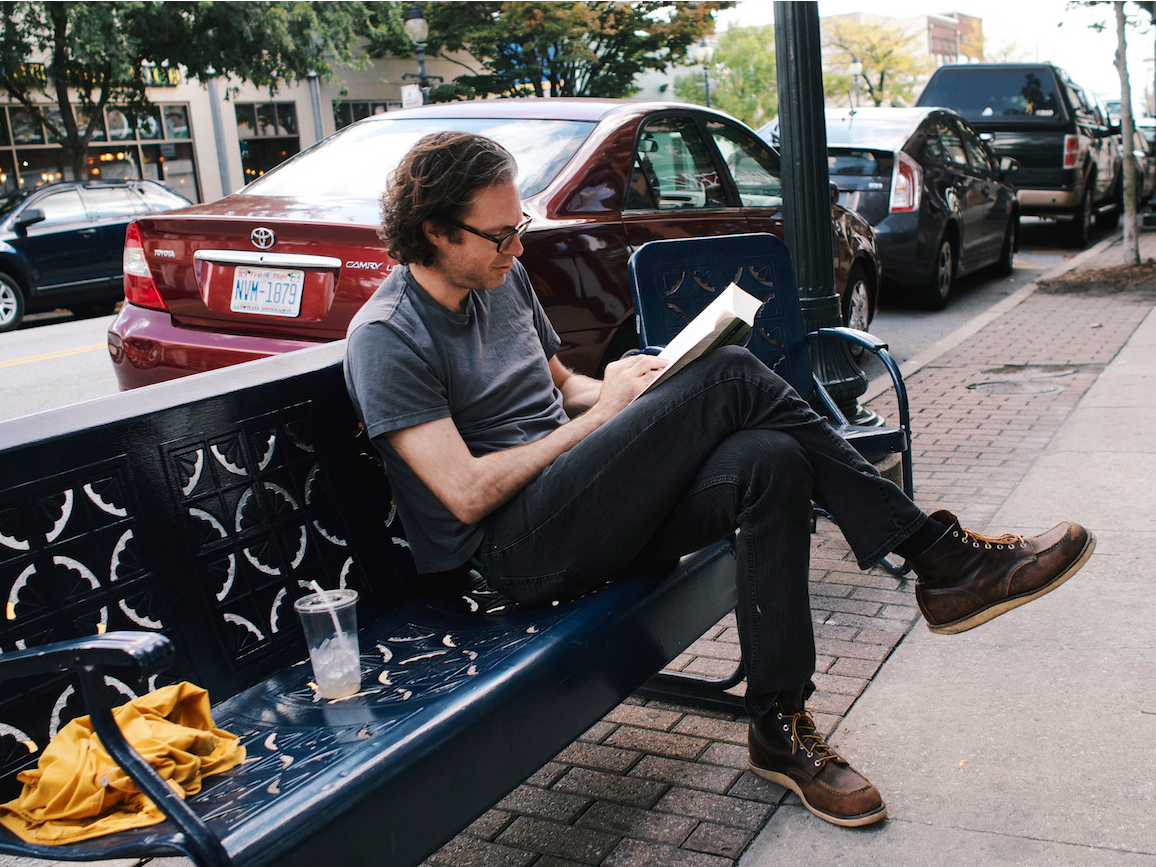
[804, 737]
[978, 540]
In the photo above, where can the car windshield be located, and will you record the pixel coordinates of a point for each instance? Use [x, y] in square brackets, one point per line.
[355, 162]
[997, 95]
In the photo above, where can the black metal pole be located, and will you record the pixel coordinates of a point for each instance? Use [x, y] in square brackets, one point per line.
[807, 198]
[422, 81]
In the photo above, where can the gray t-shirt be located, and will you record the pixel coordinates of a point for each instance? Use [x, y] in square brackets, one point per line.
[409, 360]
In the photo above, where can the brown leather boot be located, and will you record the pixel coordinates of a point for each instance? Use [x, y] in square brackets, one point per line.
[786, 749]
[966, 579]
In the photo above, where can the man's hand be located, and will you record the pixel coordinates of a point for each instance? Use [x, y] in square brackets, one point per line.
[624, 380]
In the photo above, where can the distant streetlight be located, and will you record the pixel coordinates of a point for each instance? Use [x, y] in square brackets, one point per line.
[856, 69]
[417, 29]
[701, 53]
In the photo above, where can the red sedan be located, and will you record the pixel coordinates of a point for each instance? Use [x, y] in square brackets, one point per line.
[287, 261]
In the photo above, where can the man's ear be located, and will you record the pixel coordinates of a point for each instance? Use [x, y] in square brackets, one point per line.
[433, 231]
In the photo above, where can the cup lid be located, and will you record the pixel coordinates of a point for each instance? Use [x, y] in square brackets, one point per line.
[325, 600]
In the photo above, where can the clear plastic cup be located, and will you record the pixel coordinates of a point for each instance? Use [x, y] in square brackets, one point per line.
[329, 619]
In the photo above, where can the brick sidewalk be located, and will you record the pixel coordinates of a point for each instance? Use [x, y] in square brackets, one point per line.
[655, 784]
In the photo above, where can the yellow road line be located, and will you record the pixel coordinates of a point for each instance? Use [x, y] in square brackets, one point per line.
[61, 353]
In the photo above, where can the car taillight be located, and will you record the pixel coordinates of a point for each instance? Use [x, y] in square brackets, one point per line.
[139, 287]
[906, 184]
[1071, 151]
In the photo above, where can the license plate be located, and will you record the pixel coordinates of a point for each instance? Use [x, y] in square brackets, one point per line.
[267, 290]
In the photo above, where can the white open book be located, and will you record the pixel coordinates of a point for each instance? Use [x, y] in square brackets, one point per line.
[725, 320]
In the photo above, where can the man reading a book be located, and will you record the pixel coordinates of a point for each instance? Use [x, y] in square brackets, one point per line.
[550, 483]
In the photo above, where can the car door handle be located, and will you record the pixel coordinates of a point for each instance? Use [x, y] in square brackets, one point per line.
[87, 233]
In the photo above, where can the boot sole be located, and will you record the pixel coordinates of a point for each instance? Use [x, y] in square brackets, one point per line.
[983, 616]
[843, 821]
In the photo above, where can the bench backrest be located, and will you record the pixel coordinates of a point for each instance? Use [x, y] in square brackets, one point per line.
[674, 280]
[201, 508]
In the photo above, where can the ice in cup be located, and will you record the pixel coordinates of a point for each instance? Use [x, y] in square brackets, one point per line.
[329, 619]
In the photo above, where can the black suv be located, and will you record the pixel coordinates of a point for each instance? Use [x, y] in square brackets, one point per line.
[61, 244]
[1067, 148]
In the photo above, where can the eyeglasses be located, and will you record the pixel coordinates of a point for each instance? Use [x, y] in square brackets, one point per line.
[503, 241]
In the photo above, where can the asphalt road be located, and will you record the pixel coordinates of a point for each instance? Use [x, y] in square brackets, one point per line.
[57, 360]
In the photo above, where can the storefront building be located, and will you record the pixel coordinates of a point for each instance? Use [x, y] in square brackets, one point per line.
[179, 142]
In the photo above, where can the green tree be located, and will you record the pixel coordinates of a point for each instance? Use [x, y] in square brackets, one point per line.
[743, 78]
[79, 57]
[891, 67]
[557, 48]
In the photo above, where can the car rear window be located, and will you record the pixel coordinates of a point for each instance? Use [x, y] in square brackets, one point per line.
[857, 163]
[980, 95]
[355, 162]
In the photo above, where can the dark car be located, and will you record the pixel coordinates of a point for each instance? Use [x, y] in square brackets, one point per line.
[1068, 150]
[61, 245]
[934, 192]
[289, 259]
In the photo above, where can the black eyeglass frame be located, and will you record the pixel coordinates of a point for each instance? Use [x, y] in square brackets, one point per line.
[500, 240]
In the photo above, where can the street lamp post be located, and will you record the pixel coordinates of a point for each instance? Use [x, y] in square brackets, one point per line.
[702, 52]
[807, 199]
[417, 29]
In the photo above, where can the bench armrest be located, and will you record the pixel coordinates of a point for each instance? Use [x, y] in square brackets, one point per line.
[86, 659]
[878, 348]
[147, 651]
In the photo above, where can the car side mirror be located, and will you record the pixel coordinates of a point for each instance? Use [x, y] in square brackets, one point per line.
[1114, 128]
[1008, 166]
[834, 192]
[28, 217]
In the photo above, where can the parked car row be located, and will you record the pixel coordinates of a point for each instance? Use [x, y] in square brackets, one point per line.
[287, 261]
[1069, 151]
[61, 244]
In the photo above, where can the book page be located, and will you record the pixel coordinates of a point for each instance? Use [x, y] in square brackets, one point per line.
[725, 320]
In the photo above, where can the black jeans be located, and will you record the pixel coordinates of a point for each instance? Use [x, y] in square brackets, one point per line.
[724, 447]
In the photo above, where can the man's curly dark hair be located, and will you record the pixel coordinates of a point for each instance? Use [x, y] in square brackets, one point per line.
[437, 180]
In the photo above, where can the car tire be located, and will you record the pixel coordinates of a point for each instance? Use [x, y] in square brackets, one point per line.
[11, 304]
[857, 305]
[938, 288]
[1005, 264]
[1080, 230]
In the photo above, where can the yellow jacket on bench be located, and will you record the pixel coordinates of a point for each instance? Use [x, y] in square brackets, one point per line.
[77, 792]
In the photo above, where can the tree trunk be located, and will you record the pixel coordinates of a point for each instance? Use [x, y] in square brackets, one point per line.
[1131, 238]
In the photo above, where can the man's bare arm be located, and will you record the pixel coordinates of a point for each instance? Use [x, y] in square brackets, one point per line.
[472, 487]
[579, 392]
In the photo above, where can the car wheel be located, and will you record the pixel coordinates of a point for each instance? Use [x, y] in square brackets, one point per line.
[1081, 228]
[11, 304]
[857, 305]
[1004, 265]
[938, 288]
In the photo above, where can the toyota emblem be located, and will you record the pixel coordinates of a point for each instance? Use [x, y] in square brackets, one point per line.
[263, 238]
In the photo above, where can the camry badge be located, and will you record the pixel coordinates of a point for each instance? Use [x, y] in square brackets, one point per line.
[262, 238]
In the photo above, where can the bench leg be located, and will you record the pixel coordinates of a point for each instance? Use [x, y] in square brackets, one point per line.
[696, 690]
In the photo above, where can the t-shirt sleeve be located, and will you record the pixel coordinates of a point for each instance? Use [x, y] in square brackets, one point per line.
[393, 385]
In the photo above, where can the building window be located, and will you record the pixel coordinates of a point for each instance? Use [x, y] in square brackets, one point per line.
[268, 135]
[157, 145]
[349, 111]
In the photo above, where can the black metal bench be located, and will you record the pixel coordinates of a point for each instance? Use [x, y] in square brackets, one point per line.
[162, 535]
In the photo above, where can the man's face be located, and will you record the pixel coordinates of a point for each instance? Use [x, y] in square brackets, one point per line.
[474, 262]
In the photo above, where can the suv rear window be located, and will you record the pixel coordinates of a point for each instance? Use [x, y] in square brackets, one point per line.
[997, 94]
